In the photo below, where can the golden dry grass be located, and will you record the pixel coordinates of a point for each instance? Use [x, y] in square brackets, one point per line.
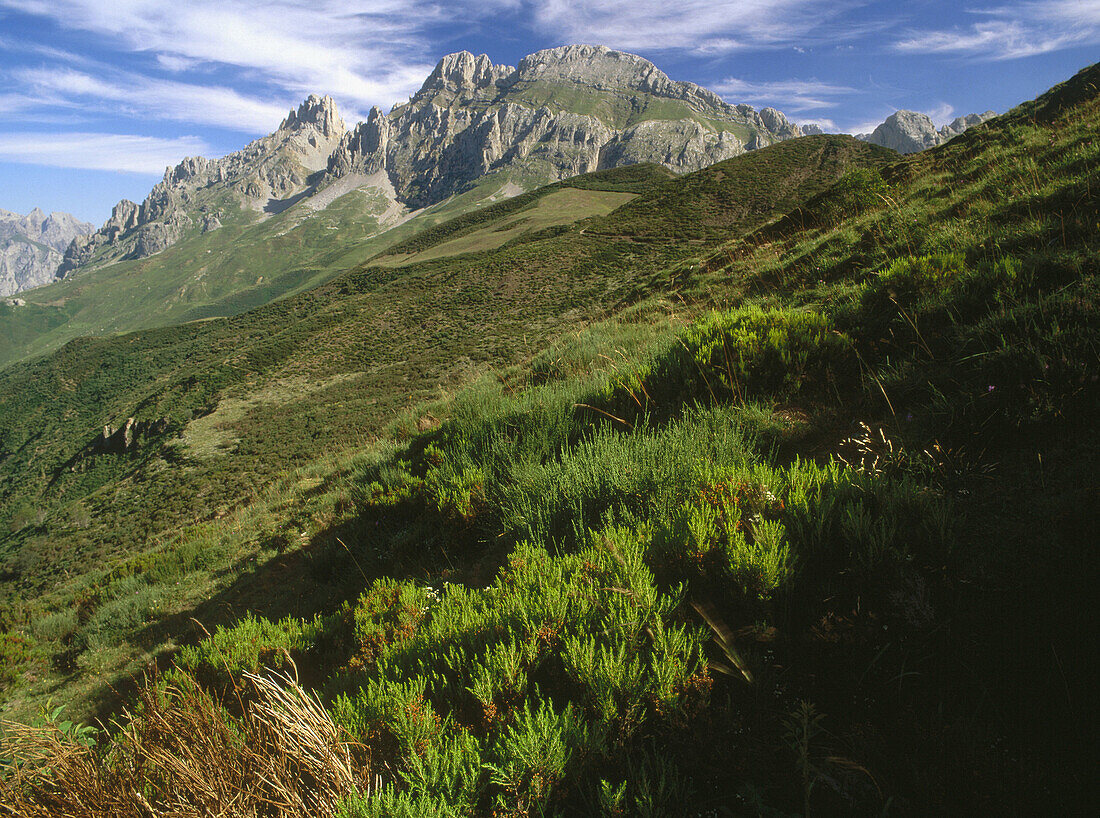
[181, 755]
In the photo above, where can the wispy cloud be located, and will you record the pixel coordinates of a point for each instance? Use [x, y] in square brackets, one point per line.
[136, 95]
[826, 124]
[1013, 31]
[367, 52]
[361, 52]
[99, 151]
[699, 26]
[941, 114]
[788, 95]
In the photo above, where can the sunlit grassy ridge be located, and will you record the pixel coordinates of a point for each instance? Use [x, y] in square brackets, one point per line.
[658, 566]
[247, 263]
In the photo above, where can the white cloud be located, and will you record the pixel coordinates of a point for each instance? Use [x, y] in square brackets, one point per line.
[1012, 32]
[138, 96]
[99, 151]
[700, 26]
[792, 95]
[941, 114]
[362, 52]
[826, 124]
[867, 126]
[375, 52]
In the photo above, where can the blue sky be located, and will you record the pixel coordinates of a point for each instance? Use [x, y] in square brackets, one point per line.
[96, 97]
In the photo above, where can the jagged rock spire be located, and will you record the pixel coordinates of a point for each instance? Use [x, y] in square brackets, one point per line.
[318, 111]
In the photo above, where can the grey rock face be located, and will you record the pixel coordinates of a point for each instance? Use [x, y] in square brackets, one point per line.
[265, 172]
[560, 112]
[126, 438]
[963, 122]
[778, 124]
[31, 247]
[316, 112]
[910, 132]
[906, 132]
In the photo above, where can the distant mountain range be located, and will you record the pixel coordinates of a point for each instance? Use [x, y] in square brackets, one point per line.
[560, 112]
[31, 247]
[474, 133]
[910, 132]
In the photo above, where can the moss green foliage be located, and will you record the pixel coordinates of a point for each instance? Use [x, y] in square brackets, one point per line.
[631, 179]
[768, 352]
[466, 700]
[251, 644]
[761, 509]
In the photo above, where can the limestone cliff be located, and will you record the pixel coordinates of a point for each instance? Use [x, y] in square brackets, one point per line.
[560, 112]
[263, 177]
[910, 132]
[31, 247]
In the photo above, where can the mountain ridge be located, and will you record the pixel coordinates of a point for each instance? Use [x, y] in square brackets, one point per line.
[470, 118]
[910, 131]
[31, 247]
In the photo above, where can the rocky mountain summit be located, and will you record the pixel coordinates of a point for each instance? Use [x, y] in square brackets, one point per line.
[194, 195]
[31, 247]
[560, 112]
[910, 132]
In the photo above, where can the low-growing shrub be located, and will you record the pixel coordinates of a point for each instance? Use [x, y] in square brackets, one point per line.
[752, 352]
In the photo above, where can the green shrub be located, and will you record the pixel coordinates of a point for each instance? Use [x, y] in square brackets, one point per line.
[387, 612]
[15, 650]
[57, 626]
[251, 644]
[773, 353]
[857, 191]
[531, 758]
[132, 604]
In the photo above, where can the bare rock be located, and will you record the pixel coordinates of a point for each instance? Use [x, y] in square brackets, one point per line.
[910, 132]
[31, 247]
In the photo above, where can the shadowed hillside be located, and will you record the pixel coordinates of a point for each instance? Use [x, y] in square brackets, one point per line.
[771, 491]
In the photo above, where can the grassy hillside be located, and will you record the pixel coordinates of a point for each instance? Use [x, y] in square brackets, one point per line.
[245, 264]
[224, 407]
[787, 506]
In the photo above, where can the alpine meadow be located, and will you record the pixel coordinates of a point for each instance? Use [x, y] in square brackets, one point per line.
[565, 441]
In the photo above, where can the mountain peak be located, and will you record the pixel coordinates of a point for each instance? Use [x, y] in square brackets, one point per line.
[911, 131]
[31, 247]
[591, 63]
[318, 111]
[462, 72]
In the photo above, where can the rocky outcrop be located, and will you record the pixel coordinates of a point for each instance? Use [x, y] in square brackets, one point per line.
[560, 112]
[31, 247]
[193, 194]
[961, 123]
[910, 132]
[128, 436]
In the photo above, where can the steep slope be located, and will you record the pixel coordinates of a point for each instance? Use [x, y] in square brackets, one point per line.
[806, 525]
[222, 407]
[31, 247]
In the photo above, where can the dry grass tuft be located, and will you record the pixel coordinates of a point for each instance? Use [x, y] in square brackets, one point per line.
[181, 755]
